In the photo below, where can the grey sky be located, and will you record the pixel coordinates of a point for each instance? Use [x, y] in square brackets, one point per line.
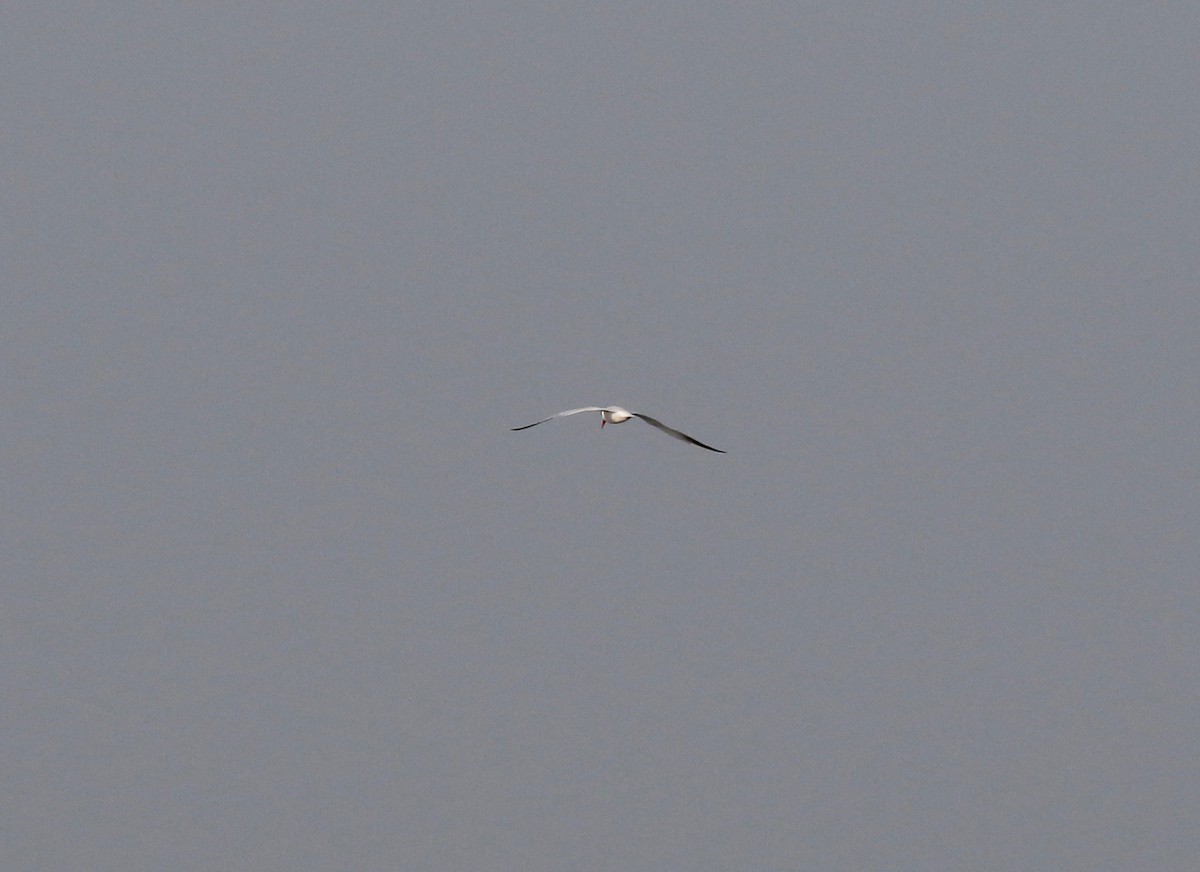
[282, 591]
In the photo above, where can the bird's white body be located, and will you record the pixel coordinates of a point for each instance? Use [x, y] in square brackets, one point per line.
[614, 415]
[617, 415]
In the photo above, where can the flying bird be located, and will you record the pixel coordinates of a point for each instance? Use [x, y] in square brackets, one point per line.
[617, 415]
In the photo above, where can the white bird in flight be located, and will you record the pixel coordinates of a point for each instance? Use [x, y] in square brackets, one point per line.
[617, 415]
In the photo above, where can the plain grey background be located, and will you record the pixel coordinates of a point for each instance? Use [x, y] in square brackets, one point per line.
[282, 591]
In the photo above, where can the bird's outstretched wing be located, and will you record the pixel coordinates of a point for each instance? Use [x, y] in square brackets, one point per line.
[653, 422]
[562, 415]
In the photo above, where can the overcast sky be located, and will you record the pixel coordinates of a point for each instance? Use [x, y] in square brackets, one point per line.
[282, 591]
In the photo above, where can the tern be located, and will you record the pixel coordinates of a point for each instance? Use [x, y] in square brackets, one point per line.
[617, 415]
